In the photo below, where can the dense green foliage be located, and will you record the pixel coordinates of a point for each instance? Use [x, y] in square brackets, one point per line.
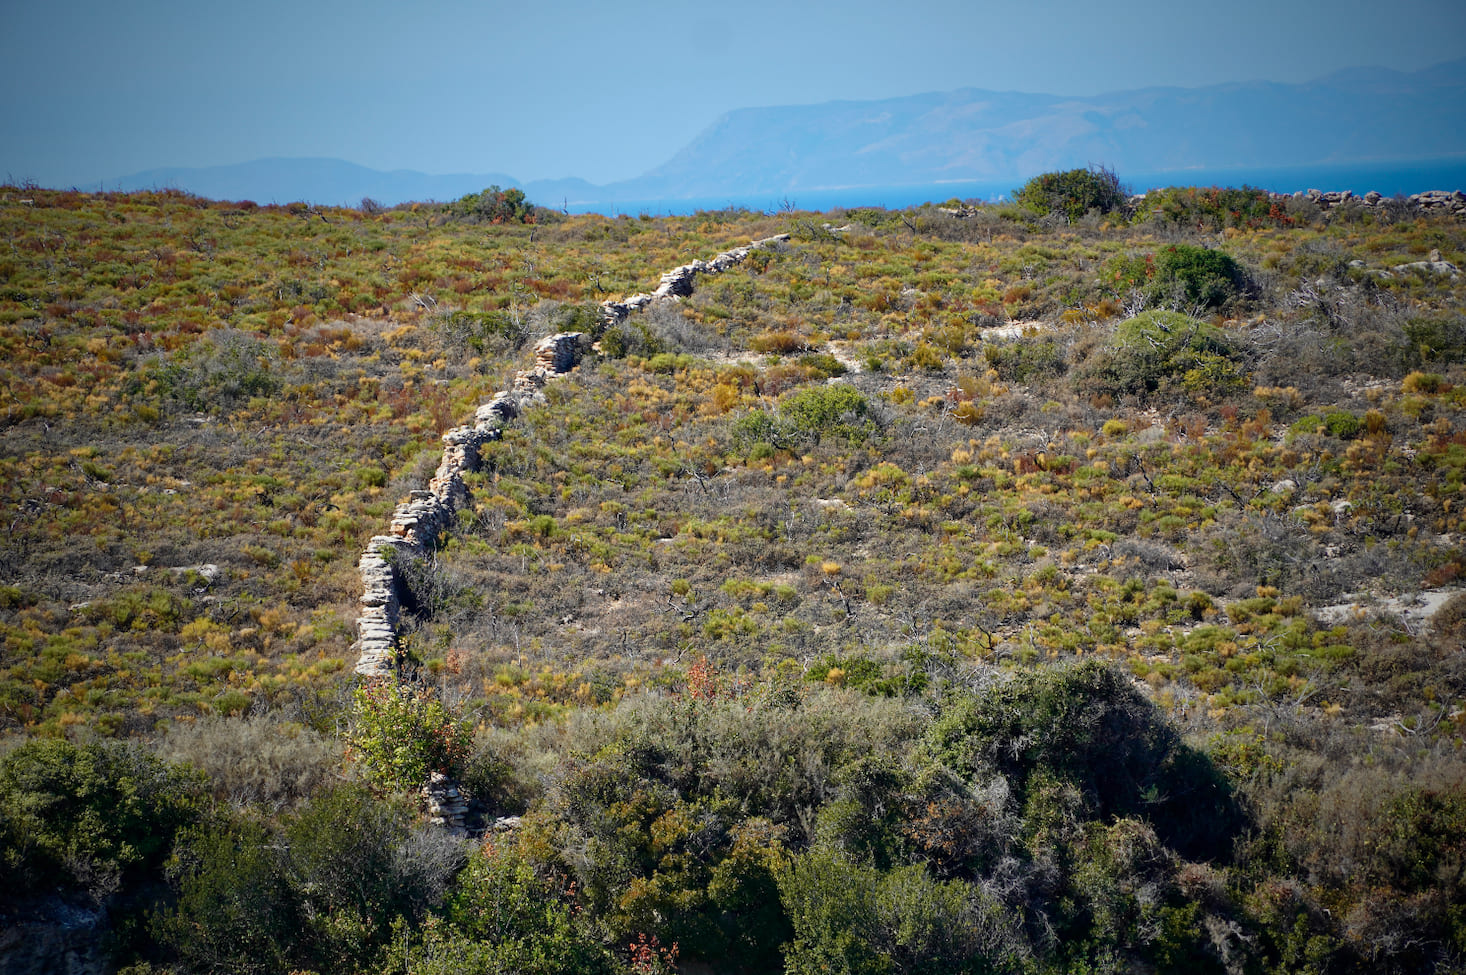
[321, 890]
[1073, 193]
[495, 205]
[1158, 349]
[87, 818]
[402, 735]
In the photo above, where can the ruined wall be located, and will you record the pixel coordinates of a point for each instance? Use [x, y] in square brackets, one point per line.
[418, 521]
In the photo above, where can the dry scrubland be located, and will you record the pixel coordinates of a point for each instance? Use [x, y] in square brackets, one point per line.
[948, 589]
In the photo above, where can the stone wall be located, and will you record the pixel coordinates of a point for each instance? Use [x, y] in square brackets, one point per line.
[1432, 201]
[418, 521]
[678, 282]
[1438, 201]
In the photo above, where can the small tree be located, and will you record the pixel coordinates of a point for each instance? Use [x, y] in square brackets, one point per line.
[1073, 192]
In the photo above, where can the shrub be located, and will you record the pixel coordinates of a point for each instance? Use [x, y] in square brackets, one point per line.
[1025, 360]
[1345, 426]
[806, 417]
[234, 911]
[404, 734]
[1073, 192]
[1215, 207]
[1202, 277]
[1427, 383]
[1087, 728]
[856, 919]
[502, 917]
[86, 816]
[320, 891]
[494, 205]
[257, 760]
[1157, 348]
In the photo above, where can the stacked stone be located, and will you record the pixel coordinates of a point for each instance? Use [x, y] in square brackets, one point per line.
[418, 521]
[460, 454]
[1453, 201]
[678, 282]
[615, 312]
[1443, 201]
[559, 353]
[496, 412]
[445, 805]
[377, 624]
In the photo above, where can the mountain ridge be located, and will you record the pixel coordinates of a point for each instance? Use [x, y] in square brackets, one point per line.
[932, 138]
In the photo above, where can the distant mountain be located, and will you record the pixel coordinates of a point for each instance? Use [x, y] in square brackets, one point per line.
[975, 135]
[1358, 115]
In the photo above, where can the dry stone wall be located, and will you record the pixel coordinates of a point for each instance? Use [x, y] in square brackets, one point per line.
[418, 521]
[424, 515]
[1431, 201]
[679, 282]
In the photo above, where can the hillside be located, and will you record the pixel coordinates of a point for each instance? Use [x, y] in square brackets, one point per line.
[1017, 593]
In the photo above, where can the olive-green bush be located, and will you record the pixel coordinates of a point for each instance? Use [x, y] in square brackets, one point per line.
[1073, 192]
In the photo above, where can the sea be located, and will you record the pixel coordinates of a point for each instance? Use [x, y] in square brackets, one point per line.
[1387, 178]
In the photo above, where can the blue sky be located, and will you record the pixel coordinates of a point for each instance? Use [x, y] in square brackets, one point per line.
[91, 90]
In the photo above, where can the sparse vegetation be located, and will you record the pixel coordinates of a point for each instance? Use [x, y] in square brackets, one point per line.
[814, 625]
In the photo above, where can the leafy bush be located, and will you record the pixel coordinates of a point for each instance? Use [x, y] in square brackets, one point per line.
[319, 891]
[502, 916]
[856, 919]
[806, 417]
[89, 816]
[403, 734]
[1179, 276]
[487, 333]
[1345, 426]
[494, 205]
[1201, 276]
[1214, 207]
[1159, 348]
[1025, 360]
[1089, 729]
[1073, 192]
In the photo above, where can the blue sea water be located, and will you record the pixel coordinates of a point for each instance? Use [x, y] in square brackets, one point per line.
[1389, 178]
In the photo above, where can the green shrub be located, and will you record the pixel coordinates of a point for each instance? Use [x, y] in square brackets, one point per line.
[1345, 426]
[806, 417]
[1073, 192]
[403, 734]
[1087, 728]
[1214, 207]
[504, 917]
[320, 891]
[856, 919]
[494, 205]
[89, 816]
[1025, 360]
[1200, 276]
[1159, 348]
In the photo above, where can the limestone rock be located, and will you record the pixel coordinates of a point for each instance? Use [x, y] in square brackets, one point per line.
[444, 803]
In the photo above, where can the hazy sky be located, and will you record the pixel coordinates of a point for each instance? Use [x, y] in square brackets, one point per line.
[92, 89]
